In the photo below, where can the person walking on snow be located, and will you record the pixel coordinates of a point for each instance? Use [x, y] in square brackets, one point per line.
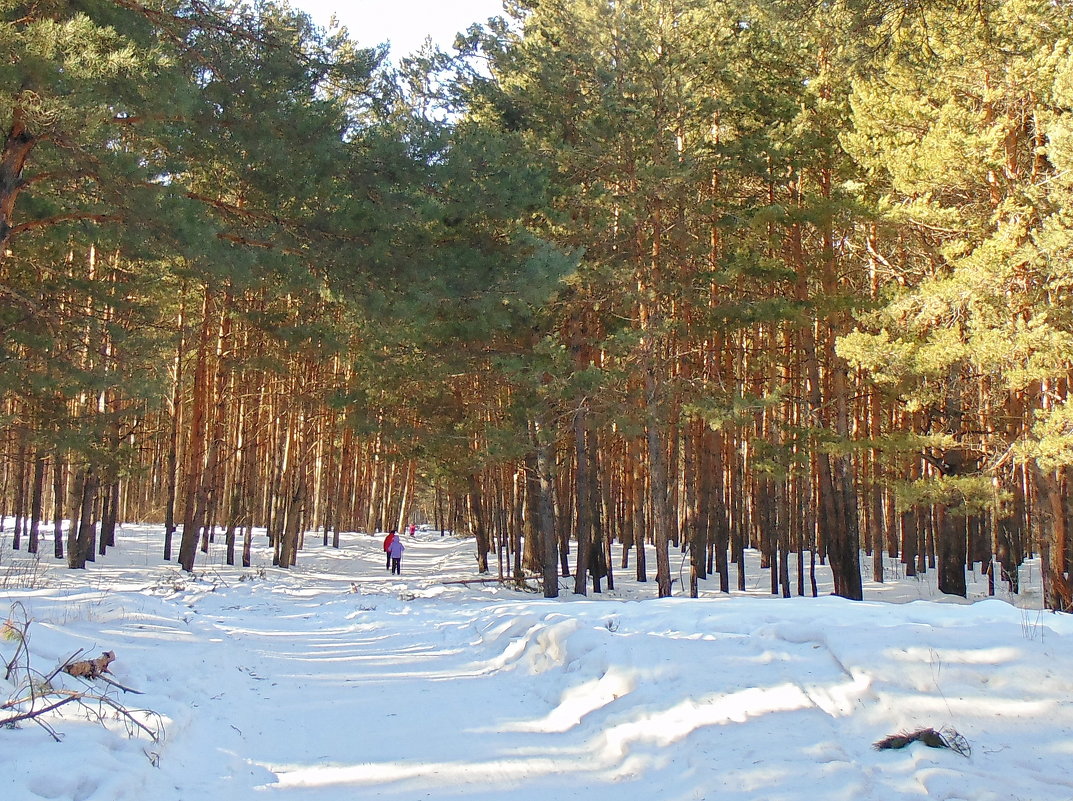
[395, 553]
[390, 538]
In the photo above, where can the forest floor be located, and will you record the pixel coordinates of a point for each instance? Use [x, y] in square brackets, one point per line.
[334, 680]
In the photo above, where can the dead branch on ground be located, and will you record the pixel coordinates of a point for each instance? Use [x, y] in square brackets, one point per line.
[36, 697]
[90, 668]
[945, 737]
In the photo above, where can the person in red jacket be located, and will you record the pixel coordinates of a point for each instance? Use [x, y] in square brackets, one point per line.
[390, 538]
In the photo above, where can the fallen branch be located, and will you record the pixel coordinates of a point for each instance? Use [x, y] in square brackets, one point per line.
[66, 697]
[131, 722]
[36, 697]
[933, 738]
[94, 669]
[483, 581]
[90, 668]
[62, 665]
[115, 683]
[85, 700]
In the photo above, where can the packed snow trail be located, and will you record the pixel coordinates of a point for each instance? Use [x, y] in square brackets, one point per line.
[334, 681]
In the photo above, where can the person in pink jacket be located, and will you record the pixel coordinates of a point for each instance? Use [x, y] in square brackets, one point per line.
[395, 553]
[390, 538]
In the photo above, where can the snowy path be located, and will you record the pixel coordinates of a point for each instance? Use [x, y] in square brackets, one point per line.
[337, 682]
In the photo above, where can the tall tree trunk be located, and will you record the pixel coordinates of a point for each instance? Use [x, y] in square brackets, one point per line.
[36, 500]
[480, 533]
[716, 513]
[21, 482]
[59, 493]
[546, 508]
[193, 506]
[599, 565]
[109, 516]
[583, 497]
[533, 546]
[657, 462]
[841, 551]
[640, 516]
[951, 551]
[81, 547]
[1057, 593]
[694, 524]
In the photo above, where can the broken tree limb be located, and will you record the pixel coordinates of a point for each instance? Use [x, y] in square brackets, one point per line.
[66, 697]
[115, 683]
[37, 699]
[94, 669]
[90, 668]
[62, 665]
[131, 721]
[57, 698]
[945, 737]
[481, 581]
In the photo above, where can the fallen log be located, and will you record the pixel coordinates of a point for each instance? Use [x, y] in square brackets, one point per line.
[480, 581]
[504, 580]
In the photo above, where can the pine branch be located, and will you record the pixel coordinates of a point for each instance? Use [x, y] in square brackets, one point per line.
[262, 218]
[45, 222]
[17, 633]
[67, 696]
[263, 244]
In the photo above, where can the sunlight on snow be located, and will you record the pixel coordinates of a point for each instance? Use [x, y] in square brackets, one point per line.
[952, 656]
[674, 724]
[577, 702]
[415, 775]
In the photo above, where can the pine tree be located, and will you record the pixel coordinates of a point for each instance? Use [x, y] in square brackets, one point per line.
[952, 133]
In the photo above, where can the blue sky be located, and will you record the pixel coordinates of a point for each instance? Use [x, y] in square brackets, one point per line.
[403, 23]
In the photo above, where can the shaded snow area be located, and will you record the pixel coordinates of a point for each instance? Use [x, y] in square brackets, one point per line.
[334, 681]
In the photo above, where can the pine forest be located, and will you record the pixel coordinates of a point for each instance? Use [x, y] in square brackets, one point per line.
[793, 276]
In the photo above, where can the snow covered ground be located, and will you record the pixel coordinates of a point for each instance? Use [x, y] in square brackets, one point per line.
[334, 681]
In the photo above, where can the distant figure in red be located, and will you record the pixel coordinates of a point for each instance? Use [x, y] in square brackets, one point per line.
[390, 538]
[395, 552]
[413, 529]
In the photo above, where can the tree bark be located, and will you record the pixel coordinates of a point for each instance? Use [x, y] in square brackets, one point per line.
[583, 499]
[18, 144]
[951, 552]
[36, 501]
[657, 462]
[546, 509]
[193, 508]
